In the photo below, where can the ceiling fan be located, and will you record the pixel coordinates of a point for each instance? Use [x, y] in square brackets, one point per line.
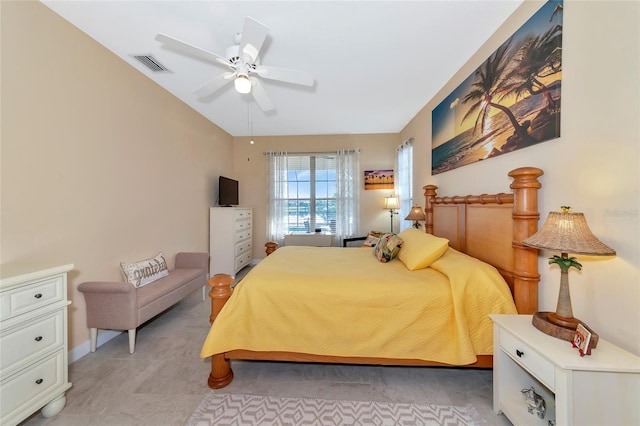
[244, 64]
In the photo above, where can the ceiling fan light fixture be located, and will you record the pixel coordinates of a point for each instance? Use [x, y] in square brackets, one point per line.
[242, 83]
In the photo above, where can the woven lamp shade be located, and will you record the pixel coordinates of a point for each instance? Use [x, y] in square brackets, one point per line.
[568, 233]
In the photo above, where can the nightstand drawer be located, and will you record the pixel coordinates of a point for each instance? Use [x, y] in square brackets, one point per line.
[528, 358]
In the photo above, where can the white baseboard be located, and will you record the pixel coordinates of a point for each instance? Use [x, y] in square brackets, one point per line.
[103, 337]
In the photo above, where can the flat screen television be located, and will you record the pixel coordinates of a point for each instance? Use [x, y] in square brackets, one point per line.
[227, 191]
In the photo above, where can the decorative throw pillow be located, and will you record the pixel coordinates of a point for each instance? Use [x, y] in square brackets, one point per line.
[387, 248]
[420, 249]
[146, 271]
[373, 238]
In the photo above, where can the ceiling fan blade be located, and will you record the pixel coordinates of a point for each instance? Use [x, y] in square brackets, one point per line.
[260, 95]
[302, 78]
[253, 35]
[214, 84]
[188, 49]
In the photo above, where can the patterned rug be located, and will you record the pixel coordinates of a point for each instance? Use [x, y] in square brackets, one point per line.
[247, 410]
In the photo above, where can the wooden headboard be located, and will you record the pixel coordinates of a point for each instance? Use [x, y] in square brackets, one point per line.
[491, 227]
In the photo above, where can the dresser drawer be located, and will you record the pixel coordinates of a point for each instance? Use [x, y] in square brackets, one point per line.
[528, 358]
[29, 385]
[243, 247]
[243, 214]
[245, 234]
[242, 225]
[25, 299]
[25, 343]
[243, 260]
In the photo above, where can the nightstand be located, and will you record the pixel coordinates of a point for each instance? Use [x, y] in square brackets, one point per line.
[600, 389]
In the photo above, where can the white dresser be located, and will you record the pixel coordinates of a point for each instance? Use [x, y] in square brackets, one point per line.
[599, 389]
[33, 343]
[230, 239]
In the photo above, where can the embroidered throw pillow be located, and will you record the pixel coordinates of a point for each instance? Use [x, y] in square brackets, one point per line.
[387, 248]
[420, 249]
[146, 271]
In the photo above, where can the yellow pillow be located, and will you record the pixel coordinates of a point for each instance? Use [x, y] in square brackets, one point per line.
[420, 249]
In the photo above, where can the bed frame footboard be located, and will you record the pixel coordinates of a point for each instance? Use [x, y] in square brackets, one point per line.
[221, 374]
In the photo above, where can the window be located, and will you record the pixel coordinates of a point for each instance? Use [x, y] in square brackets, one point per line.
[313, 191]
[404, 180]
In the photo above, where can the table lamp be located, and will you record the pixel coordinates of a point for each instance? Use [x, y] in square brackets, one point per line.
[416, 214]
[391, 203]
[566, 232]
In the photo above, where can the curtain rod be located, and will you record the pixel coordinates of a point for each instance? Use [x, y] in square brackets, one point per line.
[348, 151]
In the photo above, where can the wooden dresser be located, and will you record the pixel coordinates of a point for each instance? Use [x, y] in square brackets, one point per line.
[230, 239]
[33, 343]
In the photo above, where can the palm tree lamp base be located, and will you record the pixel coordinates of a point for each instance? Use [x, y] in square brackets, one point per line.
[547, 323]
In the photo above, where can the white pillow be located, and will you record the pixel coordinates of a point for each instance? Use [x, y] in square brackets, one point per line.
[145, 271]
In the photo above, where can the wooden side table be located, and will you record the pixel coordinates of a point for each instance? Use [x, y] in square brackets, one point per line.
[600, 389]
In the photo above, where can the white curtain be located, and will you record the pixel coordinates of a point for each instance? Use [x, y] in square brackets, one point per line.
[277, 210]
[347, 194]
[404, 181]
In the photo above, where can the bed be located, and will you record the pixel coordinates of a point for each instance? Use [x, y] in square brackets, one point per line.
[291, 308]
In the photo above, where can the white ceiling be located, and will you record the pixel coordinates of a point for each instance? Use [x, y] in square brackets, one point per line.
[376, 63]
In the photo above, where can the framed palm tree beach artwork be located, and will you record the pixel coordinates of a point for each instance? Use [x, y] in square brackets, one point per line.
[511, 101]
[378, 179]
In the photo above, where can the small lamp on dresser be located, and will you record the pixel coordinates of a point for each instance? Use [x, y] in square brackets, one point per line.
[566, 232]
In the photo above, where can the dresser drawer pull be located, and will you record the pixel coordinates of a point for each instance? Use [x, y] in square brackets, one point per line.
[519, 353]
[39, 338]
[38, 295]
[39, 381]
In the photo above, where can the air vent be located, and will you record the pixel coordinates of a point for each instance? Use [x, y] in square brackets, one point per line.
[152, 63]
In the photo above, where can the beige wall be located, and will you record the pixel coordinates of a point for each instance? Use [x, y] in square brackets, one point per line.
[99, 164]
[377, 152]
[593, 166]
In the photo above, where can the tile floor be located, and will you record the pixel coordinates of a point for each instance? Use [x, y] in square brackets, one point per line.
[164, 380]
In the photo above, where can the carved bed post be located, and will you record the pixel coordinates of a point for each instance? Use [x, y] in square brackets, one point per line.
[525, 223]
[270, 247]
[221, 374]
[430, 192]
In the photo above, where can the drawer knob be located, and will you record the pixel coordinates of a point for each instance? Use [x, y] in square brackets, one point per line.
[38, 338]
[38, 295]
[39, 381]
[519, 353]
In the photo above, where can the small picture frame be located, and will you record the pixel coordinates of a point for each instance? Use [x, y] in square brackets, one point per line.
[582, 340]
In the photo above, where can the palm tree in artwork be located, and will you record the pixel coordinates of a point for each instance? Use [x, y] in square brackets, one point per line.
[489, 88]
[537, 58]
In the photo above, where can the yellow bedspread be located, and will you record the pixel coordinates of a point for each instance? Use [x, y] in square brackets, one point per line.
[343, 302]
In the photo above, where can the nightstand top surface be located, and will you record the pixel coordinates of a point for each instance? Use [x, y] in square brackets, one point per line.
[606, 357]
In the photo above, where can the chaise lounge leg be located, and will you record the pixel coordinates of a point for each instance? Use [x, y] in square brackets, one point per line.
[93, 338]
[132, 340]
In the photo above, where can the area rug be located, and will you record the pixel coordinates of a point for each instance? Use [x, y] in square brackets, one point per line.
[251, 410]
